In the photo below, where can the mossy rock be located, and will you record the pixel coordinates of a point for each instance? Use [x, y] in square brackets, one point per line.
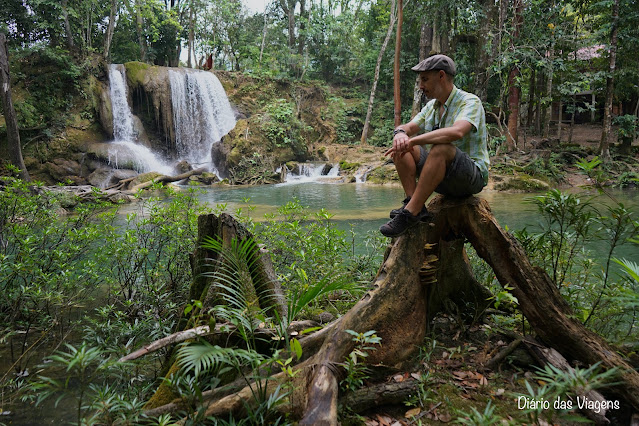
[383, 174]
[144, 177]
[136, 72]
[345, 166]
[524, 183]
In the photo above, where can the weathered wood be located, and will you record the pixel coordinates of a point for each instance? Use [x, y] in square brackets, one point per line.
[539, 299]
[204, 263]
[221, 332]
[378, 395]
[168, 179]
[501, 355]
[550, 356]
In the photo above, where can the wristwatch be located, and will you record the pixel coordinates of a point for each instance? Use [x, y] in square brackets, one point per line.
[398, 130]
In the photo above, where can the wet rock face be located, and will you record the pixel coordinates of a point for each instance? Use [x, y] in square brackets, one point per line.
[65, 170]
[105, 177]
[183, 167]
[219, 153]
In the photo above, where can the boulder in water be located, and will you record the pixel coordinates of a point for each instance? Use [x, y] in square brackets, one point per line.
[183, 167]
[101, 177]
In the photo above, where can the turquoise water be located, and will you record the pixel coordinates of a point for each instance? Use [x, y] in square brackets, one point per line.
[368, 205]
[365, 207]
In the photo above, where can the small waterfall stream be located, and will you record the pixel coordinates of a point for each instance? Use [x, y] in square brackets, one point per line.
[312, 172]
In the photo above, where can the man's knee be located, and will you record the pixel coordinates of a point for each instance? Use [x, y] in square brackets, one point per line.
[443, 151]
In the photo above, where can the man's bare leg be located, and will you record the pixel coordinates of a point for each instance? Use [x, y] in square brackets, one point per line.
[406, 166]
[433, 173]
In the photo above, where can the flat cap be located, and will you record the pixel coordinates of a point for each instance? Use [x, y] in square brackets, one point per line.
[436, 62]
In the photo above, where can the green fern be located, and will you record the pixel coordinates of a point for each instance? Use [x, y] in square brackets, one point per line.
[204, 357]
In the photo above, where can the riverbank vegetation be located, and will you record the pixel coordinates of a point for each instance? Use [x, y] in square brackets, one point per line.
[85, 289]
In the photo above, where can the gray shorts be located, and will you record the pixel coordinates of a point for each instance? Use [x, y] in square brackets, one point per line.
[463, 177]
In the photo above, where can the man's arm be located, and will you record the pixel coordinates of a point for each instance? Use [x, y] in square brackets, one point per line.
[401, 139]
[403, 142]
[444, 135]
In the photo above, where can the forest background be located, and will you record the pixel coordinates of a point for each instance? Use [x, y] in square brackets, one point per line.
[529, 61]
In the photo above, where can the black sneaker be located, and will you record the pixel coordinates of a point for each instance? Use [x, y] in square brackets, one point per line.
[402, 221]
[395, 212]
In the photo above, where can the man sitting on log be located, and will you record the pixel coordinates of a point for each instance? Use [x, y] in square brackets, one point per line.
[454, 124]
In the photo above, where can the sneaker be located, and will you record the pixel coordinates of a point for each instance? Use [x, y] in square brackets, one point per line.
[395, 212]
[402, 221]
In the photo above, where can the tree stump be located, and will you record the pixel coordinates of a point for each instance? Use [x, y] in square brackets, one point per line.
[422, 270]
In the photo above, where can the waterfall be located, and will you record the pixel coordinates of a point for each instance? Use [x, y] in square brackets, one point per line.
[124, 151]
[202, 114]
[122, 116]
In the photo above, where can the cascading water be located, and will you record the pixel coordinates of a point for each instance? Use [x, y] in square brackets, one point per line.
[122, 116]
[312, 172]
[202, 114]
[124, 151]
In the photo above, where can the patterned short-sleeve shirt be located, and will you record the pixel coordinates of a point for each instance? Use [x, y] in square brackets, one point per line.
[460, 105]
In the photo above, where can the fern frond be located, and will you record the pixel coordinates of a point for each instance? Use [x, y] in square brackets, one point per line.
[204, 357]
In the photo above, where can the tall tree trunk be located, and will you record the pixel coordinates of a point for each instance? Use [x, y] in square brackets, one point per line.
[396, 74]
[538, 109]
[514, 91]
[606, 134]
[191, 35]
[559, 119]
[425, 47]
[13, 134]
[138, 26]
[67, 25]
[108, 38]
[572, 118]
[483, 71]
[531, 98]
[264, 31]
[301, 39]
[378, 66]
[288, 6]
[551, 72]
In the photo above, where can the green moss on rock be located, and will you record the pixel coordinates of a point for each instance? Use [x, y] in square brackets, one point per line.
[136, 72]
[383, 174]
[523, 182]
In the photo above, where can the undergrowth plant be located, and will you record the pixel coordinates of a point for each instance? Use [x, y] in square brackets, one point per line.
[356, 371]
[571, 231]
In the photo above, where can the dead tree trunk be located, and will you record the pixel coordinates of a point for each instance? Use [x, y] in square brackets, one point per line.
[13, 134]
[204, 263]
[423, 268]
[369, 111]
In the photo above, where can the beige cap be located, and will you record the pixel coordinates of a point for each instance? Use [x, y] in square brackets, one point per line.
[436, 62]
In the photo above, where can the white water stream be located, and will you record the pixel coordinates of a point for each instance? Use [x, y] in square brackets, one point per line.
[202, 114]
[124, 151]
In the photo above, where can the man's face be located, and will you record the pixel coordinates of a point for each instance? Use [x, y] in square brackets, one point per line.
[430, 82]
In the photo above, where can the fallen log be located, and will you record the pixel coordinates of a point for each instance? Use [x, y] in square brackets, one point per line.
[221, 331]
[167, 179]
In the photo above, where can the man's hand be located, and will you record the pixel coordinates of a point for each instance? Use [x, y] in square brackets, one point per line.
[401, 145]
